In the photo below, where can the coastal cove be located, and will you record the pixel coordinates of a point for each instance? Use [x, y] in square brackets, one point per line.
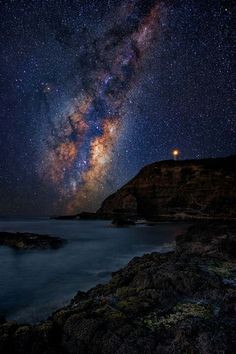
[35, 283]
[160, 303]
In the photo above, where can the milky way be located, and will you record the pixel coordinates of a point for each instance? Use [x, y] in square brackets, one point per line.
[78, 156]
[93, 90]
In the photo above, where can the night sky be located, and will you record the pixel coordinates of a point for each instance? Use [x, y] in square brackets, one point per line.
[92, 90]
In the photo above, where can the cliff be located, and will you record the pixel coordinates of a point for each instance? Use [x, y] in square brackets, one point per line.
[187, 189]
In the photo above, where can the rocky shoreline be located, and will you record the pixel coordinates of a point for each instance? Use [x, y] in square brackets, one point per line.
[29, 241]
[178, 302]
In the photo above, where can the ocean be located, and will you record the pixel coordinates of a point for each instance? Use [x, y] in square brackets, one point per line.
[33, 284]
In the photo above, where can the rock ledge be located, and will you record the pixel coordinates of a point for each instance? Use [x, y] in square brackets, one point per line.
[29, 241]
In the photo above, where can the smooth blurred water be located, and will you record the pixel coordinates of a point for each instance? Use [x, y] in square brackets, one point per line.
[35, 283]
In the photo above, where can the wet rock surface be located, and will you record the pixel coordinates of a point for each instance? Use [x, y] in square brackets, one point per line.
[29, 241]
[178, 302]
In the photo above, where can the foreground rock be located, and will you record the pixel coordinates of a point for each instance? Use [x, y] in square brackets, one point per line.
[27, 241]
[179, 302]
[190, 189]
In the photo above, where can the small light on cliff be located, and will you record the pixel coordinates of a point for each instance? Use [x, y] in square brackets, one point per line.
[175, 154]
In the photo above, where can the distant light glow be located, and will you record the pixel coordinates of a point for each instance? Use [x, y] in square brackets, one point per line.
[175, 153]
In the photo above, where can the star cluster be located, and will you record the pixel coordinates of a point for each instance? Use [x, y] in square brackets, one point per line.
[93, 90]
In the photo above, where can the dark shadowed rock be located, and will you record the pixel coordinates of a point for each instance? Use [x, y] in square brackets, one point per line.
[215, 239]
[190, 189]
[122, 222]
[87, 216]
[173, 303]
[26, 241]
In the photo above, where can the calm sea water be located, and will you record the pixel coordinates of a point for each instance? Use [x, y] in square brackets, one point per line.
[35, 283]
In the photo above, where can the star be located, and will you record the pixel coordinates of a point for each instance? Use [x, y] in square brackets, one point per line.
[88, 98]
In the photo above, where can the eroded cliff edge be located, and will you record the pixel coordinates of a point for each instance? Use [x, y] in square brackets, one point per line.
[178, 302]
[188, 189]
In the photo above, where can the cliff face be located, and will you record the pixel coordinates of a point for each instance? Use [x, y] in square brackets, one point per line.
[178, 189]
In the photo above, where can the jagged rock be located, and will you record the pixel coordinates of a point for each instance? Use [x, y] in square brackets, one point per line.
[209, 239]
[189, 189]
[173, 303]
[26, 241]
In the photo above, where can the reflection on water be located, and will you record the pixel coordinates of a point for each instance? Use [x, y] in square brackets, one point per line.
[35, 283]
